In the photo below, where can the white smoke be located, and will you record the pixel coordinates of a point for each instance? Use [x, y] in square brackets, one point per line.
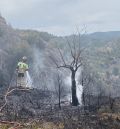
[34, 70]
[37, 67]
[38, 58]
[68, 84]
[79, 87]
[41, 74]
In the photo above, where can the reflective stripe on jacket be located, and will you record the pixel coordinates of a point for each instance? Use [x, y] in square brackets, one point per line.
[22, 67]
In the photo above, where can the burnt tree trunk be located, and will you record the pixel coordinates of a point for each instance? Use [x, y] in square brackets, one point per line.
[74, 96]
[59, 96]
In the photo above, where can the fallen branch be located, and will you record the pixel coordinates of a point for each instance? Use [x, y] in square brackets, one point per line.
[8, 93]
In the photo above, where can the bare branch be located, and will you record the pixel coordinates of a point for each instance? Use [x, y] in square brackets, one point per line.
[78, 66]
[61, 56]
[78, 58]
[71, 50]
[54, 61]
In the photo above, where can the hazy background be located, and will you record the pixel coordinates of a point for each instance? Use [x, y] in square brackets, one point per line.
[60, 17]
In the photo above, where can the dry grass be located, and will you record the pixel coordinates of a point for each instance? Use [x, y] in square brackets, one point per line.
[113, 116]
[44, 125]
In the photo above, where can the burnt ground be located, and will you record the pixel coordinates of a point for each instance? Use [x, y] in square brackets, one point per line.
[34, 109]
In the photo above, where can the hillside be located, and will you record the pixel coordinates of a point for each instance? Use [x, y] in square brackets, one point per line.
[101, 51]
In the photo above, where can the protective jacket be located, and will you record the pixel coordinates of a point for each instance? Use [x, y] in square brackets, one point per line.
[22, 67]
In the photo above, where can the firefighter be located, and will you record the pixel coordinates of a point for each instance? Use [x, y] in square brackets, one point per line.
[22, 67]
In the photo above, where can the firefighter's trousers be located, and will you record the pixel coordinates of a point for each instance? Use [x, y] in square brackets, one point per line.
[21, 80]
